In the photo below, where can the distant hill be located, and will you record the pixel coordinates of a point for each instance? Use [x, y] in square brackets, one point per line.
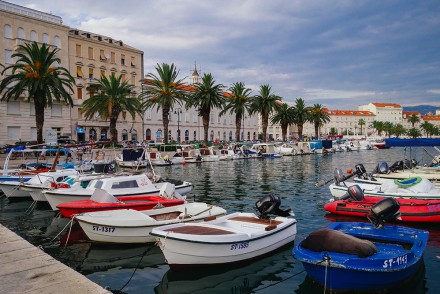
[423, 109]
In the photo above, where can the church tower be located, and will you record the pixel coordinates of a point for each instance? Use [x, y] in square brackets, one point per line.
[195, 75]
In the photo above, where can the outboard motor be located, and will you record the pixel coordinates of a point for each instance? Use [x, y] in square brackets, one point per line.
[270, 204]
[339, 177]
[381, 168]
[383, 211]
[413, 163]
[354, 192]
[398, 165]
[360, 169]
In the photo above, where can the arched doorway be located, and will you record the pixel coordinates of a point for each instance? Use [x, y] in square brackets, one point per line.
[92, 134]
[124, 135]
[103, 134]
[133, 134]
[186, 135]
[148, 135]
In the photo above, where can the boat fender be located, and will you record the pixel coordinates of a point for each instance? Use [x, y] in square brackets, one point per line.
[336, 241]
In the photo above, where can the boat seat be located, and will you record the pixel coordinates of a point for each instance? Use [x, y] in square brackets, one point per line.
[166, 216]
[198, 230]
[254, 220]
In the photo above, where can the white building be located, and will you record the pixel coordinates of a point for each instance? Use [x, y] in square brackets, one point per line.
[385, 111]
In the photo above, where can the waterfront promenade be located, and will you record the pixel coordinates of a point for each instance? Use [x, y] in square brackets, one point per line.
[25, 268]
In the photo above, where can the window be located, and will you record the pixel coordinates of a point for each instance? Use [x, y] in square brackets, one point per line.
[57, 110]
[149, 114]
[186, 117]
[56, 41]
[132, 62]
[195, 118]
[32, 109]
[20, 33]
[33, 133]
[13, 107]
[112, 57]
[102, 73]
[78, 50]
[7, 31]
[90, 52]
[34, 36]
[125, 184]
[90, 73]
[124, 115]
[14, 133]
[123, 78]
[122, 59]
[79, 92]
[45, 38]
[102, 55]
[79, 73]
[80, 113]
[8, 56]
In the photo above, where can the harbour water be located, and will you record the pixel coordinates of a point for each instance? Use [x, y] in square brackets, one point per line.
[235, 186]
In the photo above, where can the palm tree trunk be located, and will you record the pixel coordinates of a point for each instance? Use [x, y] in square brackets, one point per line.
[300, 131]
[284, 132]
[205, 118]
[39, 121]
[264, 124]
[237, 127]
[166, 121]
[316, 130]
[113, 131]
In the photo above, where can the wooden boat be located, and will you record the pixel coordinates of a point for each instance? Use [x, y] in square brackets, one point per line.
[102, 201]
[399, 255]
[355, 256]
[229, 239]
[132, 226]
[411, 210]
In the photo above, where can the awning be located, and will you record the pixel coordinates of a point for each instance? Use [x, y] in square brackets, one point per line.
[80, 131]
[79, 72]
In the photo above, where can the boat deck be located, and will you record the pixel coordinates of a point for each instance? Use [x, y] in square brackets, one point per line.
[254, 220]
[198, 230]
[26, 269]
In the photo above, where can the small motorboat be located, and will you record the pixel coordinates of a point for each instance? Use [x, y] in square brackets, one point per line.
[411, 210]
[229, 239]
[101, 200]
[355, 256]
[132, 226]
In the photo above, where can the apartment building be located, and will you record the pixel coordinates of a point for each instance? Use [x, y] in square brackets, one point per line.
[18, 26]
[385, 111]
[90, 57]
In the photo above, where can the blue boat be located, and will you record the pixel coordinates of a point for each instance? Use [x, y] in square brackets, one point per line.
[390, 255]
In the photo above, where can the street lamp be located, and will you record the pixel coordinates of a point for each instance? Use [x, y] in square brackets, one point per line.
[178, 111]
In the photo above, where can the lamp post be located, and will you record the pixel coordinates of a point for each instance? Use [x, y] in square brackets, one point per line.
[178, 111]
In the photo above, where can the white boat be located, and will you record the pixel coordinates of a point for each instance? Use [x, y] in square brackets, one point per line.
[285, 149]
[264, 150]
[229, 239]
[132, 158]
[47, 180]
[116, 185]
[132, 226]
[416, 188]
[208, 154]
[156, 158]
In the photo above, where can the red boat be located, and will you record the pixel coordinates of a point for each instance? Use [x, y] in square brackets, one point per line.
[412, 210]
[68, 209]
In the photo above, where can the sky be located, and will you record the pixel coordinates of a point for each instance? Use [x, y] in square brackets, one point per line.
[340, 54]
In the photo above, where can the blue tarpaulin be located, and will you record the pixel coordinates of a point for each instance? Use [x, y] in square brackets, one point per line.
[420, 142]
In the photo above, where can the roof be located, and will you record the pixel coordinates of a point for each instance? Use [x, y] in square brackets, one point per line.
[350, 113]
[407, 114]
[431, 117]
[387, 105]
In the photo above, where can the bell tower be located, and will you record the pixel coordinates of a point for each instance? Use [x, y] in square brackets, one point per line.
[195, 75]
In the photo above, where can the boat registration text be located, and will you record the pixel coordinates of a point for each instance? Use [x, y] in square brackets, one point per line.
[398, 260]
[104, 229]
[241, 245]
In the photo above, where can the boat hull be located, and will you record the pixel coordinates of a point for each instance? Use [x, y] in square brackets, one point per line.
[399, 255]
[12, 190]
[212, 245]
[411, 210]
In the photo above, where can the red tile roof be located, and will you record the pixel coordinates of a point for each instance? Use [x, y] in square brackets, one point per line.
[350, 112]
[431, 117]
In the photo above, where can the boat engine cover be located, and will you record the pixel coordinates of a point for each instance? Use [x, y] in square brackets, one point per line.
[383, 211]
[356, 193]
[270, 204]
[360, 169]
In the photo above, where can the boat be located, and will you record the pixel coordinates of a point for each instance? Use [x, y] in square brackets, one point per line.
[132, 226]
[411, 210]
[264, 150]
[230, 239]
[102, 201]
[417, 188]
[208, 154]
[156, 158]
[357, 256]
[286, 149]
[126, 184]
[132, 158]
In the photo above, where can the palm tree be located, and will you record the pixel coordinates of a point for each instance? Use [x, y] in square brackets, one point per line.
[379, 126]
[413, 119]
[207, 95]
[414, 133]
[318, 116]
[399, 130]
[163, 91]
[37, 73]
[239, 103]
[265, 103]
[284, 115]
[111, 98]
[426, 126]
[361, 122]
[301, 113]
[388, 128]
